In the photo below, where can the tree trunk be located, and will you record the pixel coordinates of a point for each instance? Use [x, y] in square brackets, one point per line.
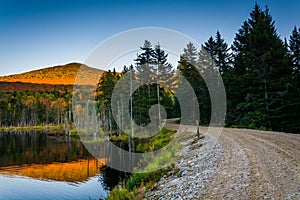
[158, 99]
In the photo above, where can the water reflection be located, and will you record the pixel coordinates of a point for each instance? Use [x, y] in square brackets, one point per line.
[75, 171]
[32, 147]
[36, 165]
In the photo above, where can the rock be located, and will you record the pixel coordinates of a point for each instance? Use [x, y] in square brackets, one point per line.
[190, 175]
[148, 194]
[182, 170]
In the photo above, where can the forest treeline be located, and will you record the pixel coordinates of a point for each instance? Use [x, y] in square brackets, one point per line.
[260, 71]
[261, 74]
[42, 96]
[21, 86]
[29, 108]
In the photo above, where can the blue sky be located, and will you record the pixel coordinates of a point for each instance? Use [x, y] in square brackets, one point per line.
[36, 34]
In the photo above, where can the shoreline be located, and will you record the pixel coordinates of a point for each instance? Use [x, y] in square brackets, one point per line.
[58, 127]
[149, 185]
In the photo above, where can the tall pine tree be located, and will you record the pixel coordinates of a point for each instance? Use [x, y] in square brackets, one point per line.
[294, 47]
[219, 51]
[261, 71]
[292, 122]
[190, 53]
[163, 72]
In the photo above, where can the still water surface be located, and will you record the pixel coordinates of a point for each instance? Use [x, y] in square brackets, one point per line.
[36, 165]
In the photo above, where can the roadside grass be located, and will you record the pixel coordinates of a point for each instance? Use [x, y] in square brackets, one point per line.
[155, 167]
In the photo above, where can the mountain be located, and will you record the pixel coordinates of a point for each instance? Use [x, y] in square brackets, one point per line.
[57, 75]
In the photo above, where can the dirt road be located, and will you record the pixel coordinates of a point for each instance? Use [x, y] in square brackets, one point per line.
[256, 165]
[238, 164]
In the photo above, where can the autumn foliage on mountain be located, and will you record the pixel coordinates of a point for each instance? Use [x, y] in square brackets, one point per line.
[42, 96]
[48, 78]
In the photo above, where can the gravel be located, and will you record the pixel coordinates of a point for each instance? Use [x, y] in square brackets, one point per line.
[240, 164]
[194, 168]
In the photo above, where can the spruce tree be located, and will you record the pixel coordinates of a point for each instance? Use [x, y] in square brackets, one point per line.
[292, 118]
[142, 99]
[104, 90]
[190, 73]
[219, 51]
[163, 72]
[190, 69]
[190, 53]
[222, 55]
[144, 63]
[261, 72]
[210, 46]
[152, 66]
[294, 47]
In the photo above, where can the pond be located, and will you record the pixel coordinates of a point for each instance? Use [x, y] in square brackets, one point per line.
[40, 165]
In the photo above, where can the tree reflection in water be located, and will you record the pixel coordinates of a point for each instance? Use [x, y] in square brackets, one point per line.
[40, 156]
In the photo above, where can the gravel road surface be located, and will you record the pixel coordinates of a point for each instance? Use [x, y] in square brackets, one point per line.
[236, 164]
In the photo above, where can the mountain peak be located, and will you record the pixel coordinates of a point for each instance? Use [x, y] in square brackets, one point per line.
[56, 75]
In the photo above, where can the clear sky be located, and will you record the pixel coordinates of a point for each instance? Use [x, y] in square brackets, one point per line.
[36, 33]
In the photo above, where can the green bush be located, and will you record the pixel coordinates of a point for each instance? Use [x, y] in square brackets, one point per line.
[121, 194]
[156, 142]
[146, 179]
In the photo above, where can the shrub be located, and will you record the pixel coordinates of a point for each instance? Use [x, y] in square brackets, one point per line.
[121, 193]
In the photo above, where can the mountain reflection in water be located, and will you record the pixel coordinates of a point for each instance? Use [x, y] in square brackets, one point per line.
[74, 171]
[37, 165]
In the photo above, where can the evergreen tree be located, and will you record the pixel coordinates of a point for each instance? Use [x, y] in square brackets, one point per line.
[104, 90]
[163, 69]
[292, 118]
[261, 71]
[106, 86]
[294, 47]
[188, 69]
[206, 67]
[210, 46]
[190, 53]
[163, 72]
[153, 68]
[126, 69]
[142, 96]
[144, 63]
[219, 51]
[222, 58]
